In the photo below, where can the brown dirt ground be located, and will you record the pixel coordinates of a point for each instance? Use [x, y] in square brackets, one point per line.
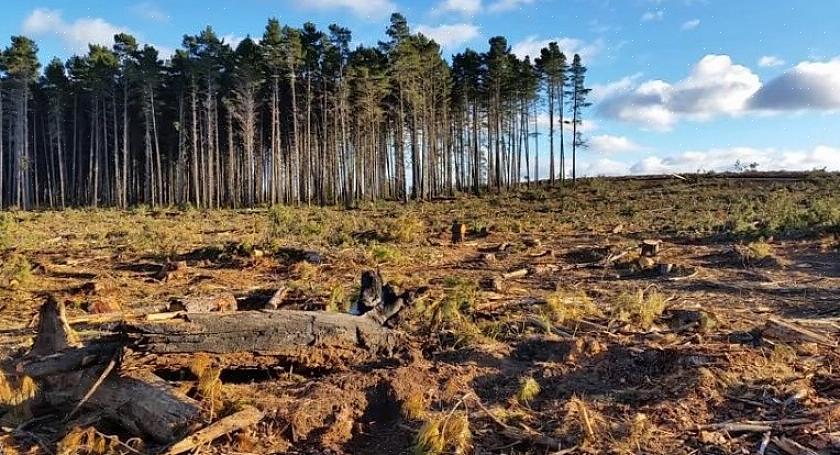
[653, 390]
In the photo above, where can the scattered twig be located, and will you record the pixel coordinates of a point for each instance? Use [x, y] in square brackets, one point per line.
[792, 447]
[93, 388]
[523, 434]
[237, 421]
[765, 441]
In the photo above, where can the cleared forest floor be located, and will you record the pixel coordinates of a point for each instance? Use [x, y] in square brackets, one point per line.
[545, 324]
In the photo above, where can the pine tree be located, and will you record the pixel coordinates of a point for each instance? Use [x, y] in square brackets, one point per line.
[578, 94]
[552, 67]
[21, 65]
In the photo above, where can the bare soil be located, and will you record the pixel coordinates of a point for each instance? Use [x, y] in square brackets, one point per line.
[607, 383]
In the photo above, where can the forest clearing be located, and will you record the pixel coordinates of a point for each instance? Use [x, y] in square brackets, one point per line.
[673, 315]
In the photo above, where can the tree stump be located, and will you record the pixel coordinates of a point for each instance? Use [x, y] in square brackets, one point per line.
[54, 333]
[459, 232]
[651, 248]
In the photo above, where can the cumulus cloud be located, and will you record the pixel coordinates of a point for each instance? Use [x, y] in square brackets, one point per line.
[532, 45]
[808, 86]
[690, 25]
[820, 157]
[508, 5]
[450, 35]
[232, 39]
[770, 61]
[468, 7]
[609, 144]
[75, 34]
[716, 86]
[151, 11]
[370, 9]
[603, 167]
[651, 16]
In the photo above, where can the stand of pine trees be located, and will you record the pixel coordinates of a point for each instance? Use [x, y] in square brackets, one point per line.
[296, 117]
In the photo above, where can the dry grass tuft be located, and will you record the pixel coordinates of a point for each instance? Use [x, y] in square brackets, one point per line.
[306, 271]
[15, 271]
[415, 406]
[405, 229]
[529, 388]
[89, 441]
[16, 391]
[758, 254]
[581, 424]
[209, 387]
[570, 306]
[636, 433]
[444, 434]
[641, 308]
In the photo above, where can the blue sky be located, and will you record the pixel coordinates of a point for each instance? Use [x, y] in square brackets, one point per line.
[680, 85]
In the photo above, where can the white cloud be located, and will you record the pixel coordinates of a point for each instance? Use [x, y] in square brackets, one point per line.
[820, 157]
[450, 35]
[508, 5]
[468, 7]
[532, 45]
[690, 25]
[651, 16]
[715, 86]
[603, 167]
[609, 144]
[770, 61]
[151, 11]
[601, 92]
[808, 86]
[232, 39]
[76, 34]
[370, 9]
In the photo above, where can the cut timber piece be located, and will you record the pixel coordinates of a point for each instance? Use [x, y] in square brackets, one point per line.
[277, 299]
[789, 332]
[205, 304]
[650, 248]
[69, 360]
[54, 333]
[237, 421]
[260, 332]
[141, 402]
[518, 273]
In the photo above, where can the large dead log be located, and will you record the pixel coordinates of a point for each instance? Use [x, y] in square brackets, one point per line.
[259, 332]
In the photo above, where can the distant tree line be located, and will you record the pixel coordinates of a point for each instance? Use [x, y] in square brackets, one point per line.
[296, 117]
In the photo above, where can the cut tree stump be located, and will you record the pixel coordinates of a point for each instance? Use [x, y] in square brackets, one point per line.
[651, 248]
[459, 232]
[54, 333]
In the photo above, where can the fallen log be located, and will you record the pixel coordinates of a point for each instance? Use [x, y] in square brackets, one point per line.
[258, 332]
